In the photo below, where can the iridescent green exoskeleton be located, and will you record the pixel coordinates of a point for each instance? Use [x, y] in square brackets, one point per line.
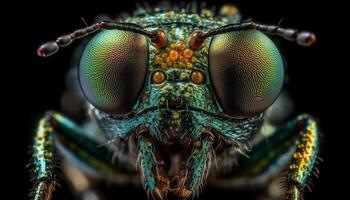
[178, 100]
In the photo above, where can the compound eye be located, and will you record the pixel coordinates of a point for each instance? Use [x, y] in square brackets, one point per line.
[112, 70]
[247, 72]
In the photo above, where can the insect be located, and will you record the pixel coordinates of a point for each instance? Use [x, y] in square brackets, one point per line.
[178, 100]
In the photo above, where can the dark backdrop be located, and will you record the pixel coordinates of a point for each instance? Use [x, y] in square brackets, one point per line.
[36, 84]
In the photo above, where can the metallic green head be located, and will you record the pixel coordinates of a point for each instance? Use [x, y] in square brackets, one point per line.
[171, 89]
[178, 85]
[176, 94]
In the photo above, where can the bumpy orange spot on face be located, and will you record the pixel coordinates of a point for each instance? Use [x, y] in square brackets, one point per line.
[159, 60]
[189, 65]
[173, 55]
[188, 53]
[182, 64]
[193, 59]
[197, 77]
[158, 77]
[176, 55]
[181, 46]
[168, 61]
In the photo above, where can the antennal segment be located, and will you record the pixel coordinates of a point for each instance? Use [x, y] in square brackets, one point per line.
[51, 48]
[303, 38]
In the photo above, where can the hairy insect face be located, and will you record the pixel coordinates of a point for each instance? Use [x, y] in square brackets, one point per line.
[170, 91]
[175, 90]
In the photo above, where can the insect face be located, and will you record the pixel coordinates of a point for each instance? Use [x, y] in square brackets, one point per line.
[181, 88]
[178, 91]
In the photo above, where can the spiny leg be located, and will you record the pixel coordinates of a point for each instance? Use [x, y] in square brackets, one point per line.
[44, 161]
[304, 158]
[153, 166]
[197, 165]
[299, 139]
[53, 130]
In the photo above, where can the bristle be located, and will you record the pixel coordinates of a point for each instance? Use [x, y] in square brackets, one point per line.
[182, 6]
[203, 5]
[102, 17]
[164, 6]
[147, 7]
[213, 10]
[176, 8]
[194, 7]
[188, 7]
[124, 15]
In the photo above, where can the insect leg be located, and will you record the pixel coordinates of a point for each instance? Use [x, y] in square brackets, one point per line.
[295, 144]
[197, 166]
[151, 163]
[304, 157]
[53, 131]
[44, 161]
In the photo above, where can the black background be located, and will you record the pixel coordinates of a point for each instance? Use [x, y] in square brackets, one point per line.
[34, 85]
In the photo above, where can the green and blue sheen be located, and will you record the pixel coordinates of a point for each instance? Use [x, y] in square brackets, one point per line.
[247, 72]
[243, 76]
[112, 70]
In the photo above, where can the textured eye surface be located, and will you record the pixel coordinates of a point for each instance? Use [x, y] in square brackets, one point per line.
[247, 72]
[112, 70]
